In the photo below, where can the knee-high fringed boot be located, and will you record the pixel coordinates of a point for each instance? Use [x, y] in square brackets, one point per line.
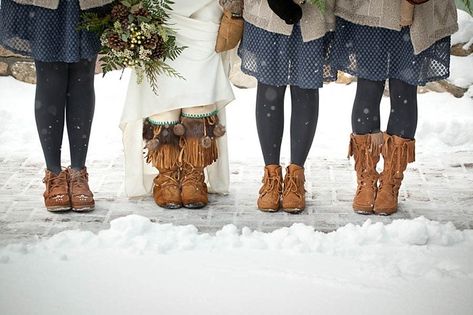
[162, 145]
[198, 150]
[397, 153]
[366, 150]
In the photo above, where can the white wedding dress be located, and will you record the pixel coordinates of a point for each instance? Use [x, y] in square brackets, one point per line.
[206, 82]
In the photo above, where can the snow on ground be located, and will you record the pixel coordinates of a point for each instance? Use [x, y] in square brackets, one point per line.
[137, 267]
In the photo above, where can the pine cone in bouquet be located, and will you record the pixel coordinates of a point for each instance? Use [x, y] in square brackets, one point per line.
[160, 48]
[141, 12]
[115, 42]
[119, 12]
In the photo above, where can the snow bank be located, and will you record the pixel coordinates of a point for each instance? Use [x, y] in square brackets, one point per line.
[461, 71]
[465, 30]
[138, 267]
[137, 235]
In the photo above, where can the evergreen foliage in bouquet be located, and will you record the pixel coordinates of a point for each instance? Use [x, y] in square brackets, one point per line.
[321, 4]
[468, 5]
[135, 34]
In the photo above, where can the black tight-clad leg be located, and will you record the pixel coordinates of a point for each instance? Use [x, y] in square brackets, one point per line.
[365, 114]
[80, 107]
[64, 89]
[403, 116]
[270, 121]
[304, 117]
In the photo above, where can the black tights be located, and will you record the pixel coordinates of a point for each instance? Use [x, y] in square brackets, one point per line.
[403, 116]
[64, 92]
[270, 121]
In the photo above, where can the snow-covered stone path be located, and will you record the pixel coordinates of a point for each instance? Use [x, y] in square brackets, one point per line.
[438, 185]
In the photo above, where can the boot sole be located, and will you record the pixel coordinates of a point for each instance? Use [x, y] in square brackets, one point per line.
[58, 209]
[84, 209]
[293, 210]
[363, 212]
[268, 210]
[384, 213]
[197, 205]
[171, 206]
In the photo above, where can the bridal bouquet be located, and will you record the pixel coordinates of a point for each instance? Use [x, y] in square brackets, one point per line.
[135, 34]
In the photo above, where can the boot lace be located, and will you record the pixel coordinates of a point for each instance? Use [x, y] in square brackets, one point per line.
[366, 169]
[56, 184]
[396, 160]
[291, 185]
[79, 180]
[193, 176]
[271, 184]
[168, 179]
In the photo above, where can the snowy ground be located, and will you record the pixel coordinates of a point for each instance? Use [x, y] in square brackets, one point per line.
[119, 264]
[137, 267]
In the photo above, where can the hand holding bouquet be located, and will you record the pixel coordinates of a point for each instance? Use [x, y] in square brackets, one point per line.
[135, 34]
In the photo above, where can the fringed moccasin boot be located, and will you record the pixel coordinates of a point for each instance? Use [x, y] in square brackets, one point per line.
[270, 192]
[162, 144]
[397, 153]
[293, 195]
[199, 149]
[366, 150]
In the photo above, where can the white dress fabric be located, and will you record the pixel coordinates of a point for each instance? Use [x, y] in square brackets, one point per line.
[206, 82]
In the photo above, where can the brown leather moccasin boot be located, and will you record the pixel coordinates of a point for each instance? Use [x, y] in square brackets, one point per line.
[82, 199]
[270, 193]
[397, 153]
[56, 195]
[293, 195]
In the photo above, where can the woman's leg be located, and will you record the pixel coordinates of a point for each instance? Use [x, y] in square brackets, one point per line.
[270, 120]
[50, 102]
[403, 117]
[365, 142]
[365, 114]
[80, 109]
[304, 117]
[162, 143]
[199, 150]
[79, 114]
[399, 144]
[270, 126]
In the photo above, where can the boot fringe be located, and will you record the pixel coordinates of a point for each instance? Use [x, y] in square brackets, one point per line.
[194, 153]
[375, 144]
[199, 143]
[411, 151]
[165, 157]
[407, 147]
[162, 145]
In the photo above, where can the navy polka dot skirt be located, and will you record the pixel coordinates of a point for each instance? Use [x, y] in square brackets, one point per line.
[378, 54]
[279, 60]
[46, 35]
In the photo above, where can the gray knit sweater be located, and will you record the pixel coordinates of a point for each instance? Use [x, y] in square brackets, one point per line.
[314, 24]
[433, 20]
